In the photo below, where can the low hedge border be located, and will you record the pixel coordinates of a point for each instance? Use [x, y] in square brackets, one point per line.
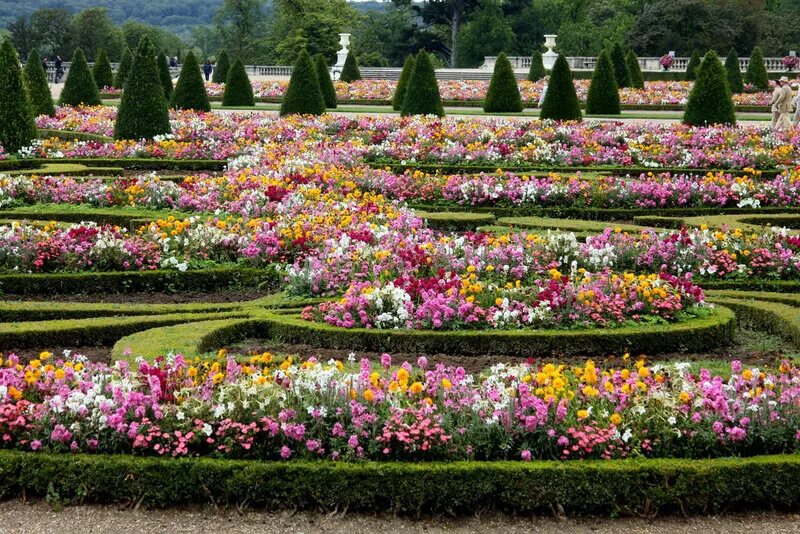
[602, 488]
[456, 221]
[76, 213]
[568, 225]
[124, 163]
[69, 135]
[775, 318]
[477, 167]
[791, 299]
[16, 311]
[751, 284]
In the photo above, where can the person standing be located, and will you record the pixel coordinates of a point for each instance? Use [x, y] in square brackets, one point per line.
[785, 120]
[59, 71]
[796, 103]
[546, 81]
[207, 68]
[779, 103]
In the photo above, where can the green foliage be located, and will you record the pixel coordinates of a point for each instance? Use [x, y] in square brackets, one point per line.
[350, 72]
[190, 91]
[455, 221]
[238, 89]
[603, 96]
[39, 96]
[561, 101]
[537, 71]
[17, 127]
[143, 111]
[692, 66]
[503, 93]
[620, 66]
[102, 73]
[164, 75]
[756, 71]
[325, 82]
[304, 95]
[487, 33]
[734, 74]
[710, 100]
[220, 74]
[402, 84]
[422, 93]
[124, 69]
[80, 87]
[637, 81]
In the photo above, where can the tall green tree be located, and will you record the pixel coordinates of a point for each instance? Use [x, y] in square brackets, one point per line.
[325, 82]
[422, 93]
[39, 96]
[124, 68]
[756, 71]
[17, 127]
[143, 111]
[561, 100]
[190, 91]
[164, 75]
[52, 30]
[734, 73]
[93, 31]
[308, 24]
[503, 93]
[102, 73]
[620, 66]
[241, 24]
[80, 87]
[220, 74]
[238, 89]
[487, 33]
[304, 95]
[537, 71]
[402, 84]
[637, 80]
[710, 100]
[350, 72]
[603, 96]
[693, 65]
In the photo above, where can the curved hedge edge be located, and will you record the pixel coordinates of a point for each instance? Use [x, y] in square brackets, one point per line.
[17, 311]
[774, 286]
[77, 213]
[69, 135]
[789, 299]
[568, 225]
[124, 163]
[779, 319]
[635, 487]
[456, 220]
[696, 335]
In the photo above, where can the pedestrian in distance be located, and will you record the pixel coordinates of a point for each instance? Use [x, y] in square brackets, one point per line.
[781, 104]
[59, 70]
[207, 69]
[546, 81]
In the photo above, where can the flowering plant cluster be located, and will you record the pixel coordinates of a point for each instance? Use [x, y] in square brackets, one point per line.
[666, 61]
[790, 62]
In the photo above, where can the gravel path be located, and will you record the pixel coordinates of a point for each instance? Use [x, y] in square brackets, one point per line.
[17, 517]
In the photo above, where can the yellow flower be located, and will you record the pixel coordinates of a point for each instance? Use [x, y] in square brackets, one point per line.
[446, 384]
[615, 418]
[747, 374]
[45, 355]
[369, 395]
[59, 374]
[415, 388]
[583, 414]
[219, 377]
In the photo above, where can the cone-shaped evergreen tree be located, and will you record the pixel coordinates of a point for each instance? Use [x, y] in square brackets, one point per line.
[325, 82]
[692, 66]
[124, 68]
[304, 95]
[190, 92]
[710, 100]
[603, 96]
[402, 83]
[221, 69]
[17, 127]
[143, 112]
[350, 72]
[102, 73]
[756, 71]
[422, 93]
[503, 93]
[39, 96]
[561, 101]
[164, 75]
[238, 89]
[734, 74]
[620, 66]
[80, 87]
[537, 71]
[637, 80]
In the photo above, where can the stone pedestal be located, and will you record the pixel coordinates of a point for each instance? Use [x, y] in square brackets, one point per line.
[549, 57]
[341, 55]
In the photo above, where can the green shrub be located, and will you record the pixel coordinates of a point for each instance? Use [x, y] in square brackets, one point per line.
[537, 70]
[710, 100]
[143, 111]
[422, 93]
[603, 96]
[190, 91]
[221, 68]
[238, 89]
[325, 82]
[124, 69]
[734, 74]
[637, 81]
[561, 101]
[102, 73]
[756, 73]
[503, 93]
[80, 87]
[402, 84]
[39, 96]
[620, 66]
[164, 75]
[692, 66]
[17, 126]
[304, 95]
[350, 72]
[455, 221]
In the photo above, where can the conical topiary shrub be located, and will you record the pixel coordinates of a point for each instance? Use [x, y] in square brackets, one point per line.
[190, 92]
[17, 127]
[603, 96]
[561, 101]
[620, 66]
[39, 96]
[304, 95]
[350, 72]
[637, 80]
[503, 93]
[692, 66]
[402, 83]
[710, 100]
[756, 71]
[422, 93]
[124, 68]
[325, 82]
[101, 72]
[80, 87]
[221, 69]
[164, 75]
[238, 89]
[143, 112]
[537, 71]
[734, 74]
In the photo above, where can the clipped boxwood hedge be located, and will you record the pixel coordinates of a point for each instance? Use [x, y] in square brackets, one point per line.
[69, 135]
[148, 164]
[773, 317]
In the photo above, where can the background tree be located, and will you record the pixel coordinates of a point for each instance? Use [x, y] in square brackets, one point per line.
[240, 24]
[52, 31]
[537, 70]
[603, 96]
[620, 67]
[325, 82]
[143, 111]
[692, 66]
[22, 35]
[756, 71]
[734, 73]
[303, 95]
[164, 75]
[39, 96]
[93, 30]
[487, 34]
[101, 71]
[637, 80]
[561, 101]
[17, 127]
[80, 87]
[238, 89]
[350, 72]
[190, 91]
[220, 74]
[402, 84]
[710, 100]
[123, 69]
[503, 93]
